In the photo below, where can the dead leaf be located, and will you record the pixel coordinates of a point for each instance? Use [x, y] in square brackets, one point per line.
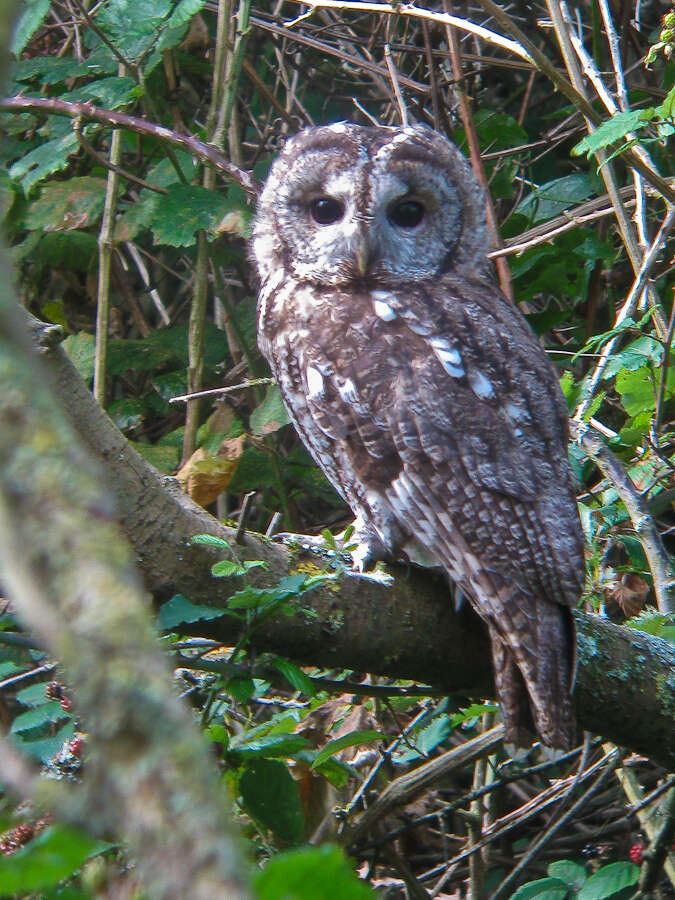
[205, 476]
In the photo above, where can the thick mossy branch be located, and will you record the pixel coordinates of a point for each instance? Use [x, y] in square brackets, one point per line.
[69, 571]
[626, 681]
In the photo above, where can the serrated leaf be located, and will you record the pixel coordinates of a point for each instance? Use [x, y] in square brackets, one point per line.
[55, 854]
[179, 610]
[573, 874]
[609, 880]
[270, 795]
[111, 93]
[51, 69]
[140, 216]
[184, 211]
[613, 130]
[67, 205]
[353, 739]
[295, 676]
[314, 873]
[44, 160]
[31, 16]
[550, 199]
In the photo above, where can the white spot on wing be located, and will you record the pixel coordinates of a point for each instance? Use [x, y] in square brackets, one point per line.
[314, 382]
[382, 309]
[480, 385]
[449, 357]
[338, 127]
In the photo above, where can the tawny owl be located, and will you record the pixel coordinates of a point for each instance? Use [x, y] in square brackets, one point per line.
[422, 392]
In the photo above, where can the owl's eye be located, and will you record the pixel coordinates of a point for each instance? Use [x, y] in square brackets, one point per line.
[326, 210]
[406, 214]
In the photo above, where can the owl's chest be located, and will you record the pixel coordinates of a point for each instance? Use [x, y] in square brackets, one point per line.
[342, 326]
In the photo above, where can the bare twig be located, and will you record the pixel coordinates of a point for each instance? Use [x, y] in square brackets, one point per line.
[660, 563]
[628, 308]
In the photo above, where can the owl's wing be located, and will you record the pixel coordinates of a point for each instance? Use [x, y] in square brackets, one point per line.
[440, 418]
[452, 412]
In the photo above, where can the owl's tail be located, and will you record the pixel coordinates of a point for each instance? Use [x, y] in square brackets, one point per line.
[534, 680]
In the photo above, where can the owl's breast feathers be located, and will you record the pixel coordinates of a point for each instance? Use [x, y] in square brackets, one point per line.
[436, 413]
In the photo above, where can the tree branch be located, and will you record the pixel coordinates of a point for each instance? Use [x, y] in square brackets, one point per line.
[407, 629]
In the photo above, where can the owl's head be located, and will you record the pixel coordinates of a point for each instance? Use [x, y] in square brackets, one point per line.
[347, 204]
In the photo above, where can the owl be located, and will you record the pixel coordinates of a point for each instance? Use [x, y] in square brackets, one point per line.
[422, 393]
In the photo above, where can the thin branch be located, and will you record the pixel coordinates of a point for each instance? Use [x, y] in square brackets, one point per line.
[409, 9]
[204, 152]
[660, 563]
[628, 308]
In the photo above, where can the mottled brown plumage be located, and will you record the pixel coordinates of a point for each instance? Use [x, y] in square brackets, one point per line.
[422, 392]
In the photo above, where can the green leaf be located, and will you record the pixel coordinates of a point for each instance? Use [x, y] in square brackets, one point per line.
[609, 880]
[44, 160]
[636, 390]
[271, 415]
[111, 93]
[184, 211]
[47, 712]
[242, 689]
[270, 796]
[543, 889]
[55, 854]
[179, 609]
[573, 874]
[43, 749]
[80, 349]
[295, 676]
[613, 130]
[633, 356]
[67, 205]
[353, 739]
[269, 746]
[210, 540]
[31, 16]
[667, 109]
[75, 251]
[127, 412]
[550, 199]
[313, 873]
[163, 457]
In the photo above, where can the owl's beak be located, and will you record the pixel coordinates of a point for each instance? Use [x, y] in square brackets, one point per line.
[362, 255]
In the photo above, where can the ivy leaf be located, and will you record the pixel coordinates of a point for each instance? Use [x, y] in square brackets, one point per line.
[271, 796]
